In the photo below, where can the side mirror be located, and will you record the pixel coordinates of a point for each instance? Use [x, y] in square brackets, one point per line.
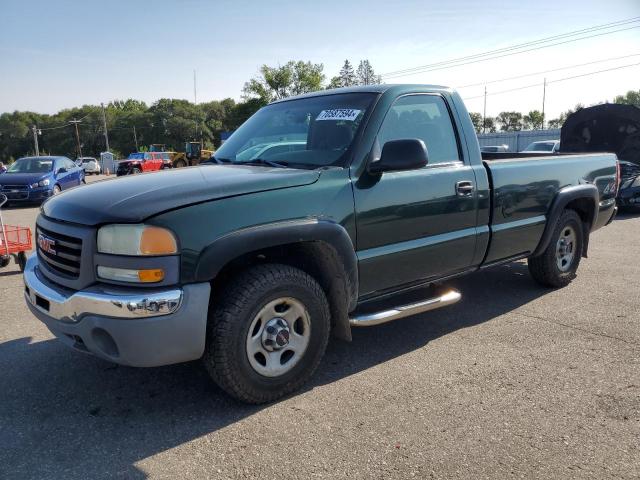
[61, 170]
[397, 155]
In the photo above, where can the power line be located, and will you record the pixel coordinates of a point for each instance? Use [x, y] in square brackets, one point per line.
[483, 57]
[555, 81]
[521, 45]
[547, 71]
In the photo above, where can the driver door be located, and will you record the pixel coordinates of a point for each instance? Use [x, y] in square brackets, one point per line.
[62, 174]
[417, 224]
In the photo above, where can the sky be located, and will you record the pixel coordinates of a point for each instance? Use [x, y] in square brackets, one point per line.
[61, 54]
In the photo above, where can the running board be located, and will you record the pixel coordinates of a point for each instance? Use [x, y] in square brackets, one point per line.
[376, 318]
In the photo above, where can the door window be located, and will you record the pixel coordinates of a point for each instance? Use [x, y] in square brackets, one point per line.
[425, 117]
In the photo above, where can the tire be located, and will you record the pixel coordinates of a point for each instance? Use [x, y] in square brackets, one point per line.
[136, 171]
[556, 267]
[56, 189]
[180, 164]
[237, 323]
[4, 261]
[21, 260]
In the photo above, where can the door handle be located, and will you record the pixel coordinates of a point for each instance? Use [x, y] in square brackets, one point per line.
[464, 188]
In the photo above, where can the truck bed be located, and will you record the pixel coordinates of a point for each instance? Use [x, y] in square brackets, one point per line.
[524, 186]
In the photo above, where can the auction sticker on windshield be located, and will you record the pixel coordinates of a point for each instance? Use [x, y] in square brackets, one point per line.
[348, 114]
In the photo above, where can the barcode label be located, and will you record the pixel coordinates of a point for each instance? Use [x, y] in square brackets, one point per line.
[348, 114]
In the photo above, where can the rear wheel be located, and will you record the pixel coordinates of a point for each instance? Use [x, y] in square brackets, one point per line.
[267, 334]
[557, 265]
[21, 260]
[180, 164]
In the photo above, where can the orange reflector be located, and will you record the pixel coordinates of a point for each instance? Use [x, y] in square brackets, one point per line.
[150, 276]
[157, 241]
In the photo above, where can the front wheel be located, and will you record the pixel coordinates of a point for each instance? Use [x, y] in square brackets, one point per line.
[136, 171]
[56, 189]
[267, 334]
[557, 265]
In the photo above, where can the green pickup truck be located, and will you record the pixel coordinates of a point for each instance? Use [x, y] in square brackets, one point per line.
[349, 202]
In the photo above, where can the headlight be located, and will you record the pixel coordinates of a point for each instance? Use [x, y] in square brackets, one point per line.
[136, 240]
[41, 183]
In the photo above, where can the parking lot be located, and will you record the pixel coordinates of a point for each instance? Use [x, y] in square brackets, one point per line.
[513, 381]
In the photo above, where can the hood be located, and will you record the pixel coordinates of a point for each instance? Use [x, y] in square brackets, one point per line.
[132, 199]
[603, 128]
[22, 178]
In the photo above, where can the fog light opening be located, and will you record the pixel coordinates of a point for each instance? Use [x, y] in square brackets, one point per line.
[105, 342]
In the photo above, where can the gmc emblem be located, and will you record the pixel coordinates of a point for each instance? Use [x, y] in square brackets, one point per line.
[46, 244]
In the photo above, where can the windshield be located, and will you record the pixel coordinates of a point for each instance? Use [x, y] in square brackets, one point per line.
[31, 165]
[308, 133]
[540, 147]
[136, 156]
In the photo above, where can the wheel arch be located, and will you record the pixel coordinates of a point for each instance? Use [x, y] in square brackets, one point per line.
[583, 199]
[321, 248]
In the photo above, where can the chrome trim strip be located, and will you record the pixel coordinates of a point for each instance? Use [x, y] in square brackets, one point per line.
[376, 318]
[524, 222]
[102, 300]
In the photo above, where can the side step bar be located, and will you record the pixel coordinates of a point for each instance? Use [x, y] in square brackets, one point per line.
[376, 318]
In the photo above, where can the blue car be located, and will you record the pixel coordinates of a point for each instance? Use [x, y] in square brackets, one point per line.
[34, 179]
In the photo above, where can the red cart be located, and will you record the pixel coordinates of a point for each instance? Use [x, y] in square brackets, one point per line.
[14, 241]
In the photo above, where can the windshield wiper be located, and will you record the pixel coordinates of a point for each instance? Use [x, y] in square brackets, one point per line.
[214, 159]
[263, 161]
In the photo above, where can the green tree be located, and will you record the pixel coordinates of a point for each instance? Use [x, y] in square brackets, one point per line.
[510, 121]
[632, 97]
[366, 75]
[347, 75]
[293, 78]
[558, 122]
[476, 119]
[489, 123]
[533, 120]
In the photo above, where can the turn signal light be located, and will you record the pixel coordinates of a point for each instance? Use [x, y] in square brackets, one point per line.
[151, 276]
[129, 275]
[157, 241]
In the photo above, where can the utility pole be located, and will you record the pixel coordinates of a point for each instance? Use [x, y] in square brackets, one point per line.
[76, 122]
[544, 94]
[135, 137]
[195, 99]
[35, 140]
[484, 112]
[104, 124]
[195, 94]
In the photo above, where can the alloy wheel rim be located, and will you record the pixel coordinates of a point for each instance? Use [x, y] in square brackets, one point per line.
[278, 337]
[566, 248]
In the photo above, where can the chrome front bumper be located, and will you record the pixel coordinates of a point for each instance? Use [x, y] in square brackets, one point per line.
[70, 306]
[130, 326]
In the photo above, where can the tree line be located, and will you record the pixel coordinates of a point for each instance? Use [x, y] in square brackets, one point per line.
[133, 125]
[534, 120]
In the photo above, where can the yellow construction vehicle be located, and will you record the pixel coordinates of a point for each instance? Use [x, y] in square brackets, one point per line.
[194, 153]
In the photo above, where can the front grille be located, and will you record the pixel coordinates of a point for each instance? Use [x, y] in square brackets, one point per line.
[15, 192]
[628, 171]
[68, 250]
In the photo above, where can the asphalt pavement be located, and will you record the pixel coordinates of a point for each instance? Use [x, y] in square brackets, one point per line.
[514, 381]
